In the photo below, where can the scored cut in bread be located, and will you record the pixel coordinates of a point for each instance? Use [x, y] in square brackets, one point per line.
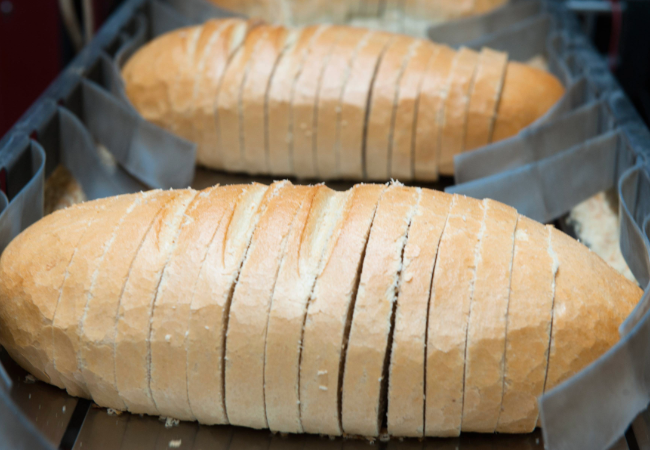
[354, 105]
[430, 113]
[401, 146]
[488, 82]
[307, 250]
[98, 326]
[366, 361]
[449, 307]
[254, 96]
[486, 330]
[171, 312]
[280, 97]
[136, 305]
[540, 88]
[72, 302]
[328, 108]
[461, 80]
[528, 327]
[305, 100]
[382, 106]
[249, 310]
[329, 314]
[211, 302]
[228, 108]
[217, 57]
[407, 359]
[573, 348]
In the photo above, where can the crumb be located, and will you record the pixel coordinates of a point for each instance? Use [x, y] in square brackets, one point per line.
[113, 412]
[176, 443]
[169, 421]
[29, 379]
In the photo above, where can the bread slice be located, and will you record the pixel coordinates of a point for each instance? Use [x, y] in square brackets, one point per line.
[486, 331]
[382, 106]
[328, 110]
[401, 146]
[461, 79]
[254, 96]
[354, 105]
[308, 248]
[97, 361]
[170, 318]
[485, 95]
[541, 91]
[609, 302]
[366, 361]
[32, 345]
[72, 301]
[430, 111]
[228, 110]
[329, 315]
[449, 307]
[528, 327]
[212, 296]
[305, 99]
[136, 305]
[280, 96]
[180, 92]
[217, 52]
[407, 357]
[249, 311]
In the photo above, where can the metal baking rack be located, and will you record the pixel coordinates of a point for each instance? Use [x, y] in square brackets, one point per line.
[74, 123]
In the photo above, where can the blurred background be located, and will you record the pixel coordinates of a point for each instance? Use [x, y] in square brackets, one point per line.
[39, 37]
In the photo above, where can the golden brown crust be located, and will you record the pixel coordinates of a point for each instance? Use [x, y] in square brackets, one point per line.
[328, 314]
[136, 305]
[448, 316]
[307, 250]
[249, 310]
[407, 358]
[229, 106]
[44, 252]
[460, 82]
[169, 322]
[354, 104]
[527, 94]
[303, 108]
[335, 77]
[211, 301]
[430, 109]
[280, 97]
[401, 146]
[587, 310]
[528, 327]
[218, 50]
[486, 330]
[72, 301]
[481, 112]
[366, 359]
[98, 328]
[382, 106]
[254, 91]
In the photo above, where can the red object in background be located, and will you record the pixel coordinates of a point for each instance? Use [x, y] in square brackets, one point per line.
[30, 54]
